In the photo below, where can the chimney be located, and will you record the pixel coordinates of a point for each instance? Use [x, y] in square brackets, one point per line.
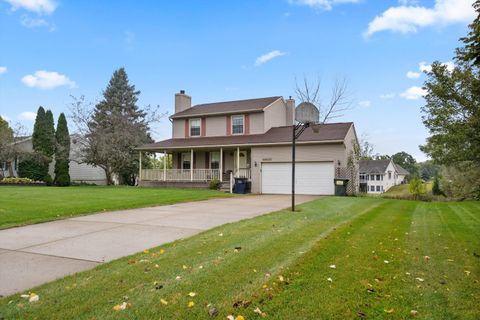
[182, 101]
[290, 119]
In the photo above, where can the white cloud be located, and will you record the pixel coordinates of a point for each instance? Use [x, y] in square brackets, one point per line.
[3, 69]
[28, 22]
[424, 67]
[27, 115]
[387, 96]
[413, 75]
[365, 103]
[269, 56]
[408, 18]
[37, 6]
[47, 80]
[414, 93]
[321, 4]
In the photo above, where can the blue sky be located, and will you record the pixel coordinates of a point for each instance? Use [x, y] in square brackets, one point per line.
[226, 50]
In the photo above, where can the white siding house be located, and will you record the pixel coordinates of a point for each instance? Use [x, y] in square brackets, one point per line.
[377, 176]
[79, 172]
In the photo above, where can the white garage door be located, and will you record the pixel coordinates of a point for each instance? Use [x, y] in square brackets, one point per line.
[310, 178]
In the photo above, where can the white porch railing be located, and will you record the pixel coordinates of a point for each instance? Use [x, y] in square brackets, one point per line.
[244, 173]
[180, 174]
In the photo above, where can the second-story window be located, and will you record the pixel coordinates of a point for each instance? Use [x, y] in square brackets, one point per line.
[237, 124]
[195, 127]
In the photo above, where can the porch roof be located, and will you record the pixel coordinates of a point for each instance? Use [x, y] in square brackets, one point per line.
[328, 133]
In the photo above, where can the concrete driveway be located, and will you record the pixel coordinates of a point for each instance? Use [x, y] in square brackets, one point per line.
[36, 254]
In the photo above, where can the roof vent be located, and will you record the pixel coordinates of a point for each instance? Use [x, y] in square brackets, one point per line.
[182, 91]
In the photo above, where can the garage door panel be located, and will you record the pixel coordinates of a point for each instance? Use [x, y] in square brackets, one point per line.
[310, 177]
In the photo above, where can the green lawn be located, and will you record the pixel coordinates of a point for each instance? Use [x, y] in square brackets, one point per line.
[390, 257]
[402, 190]
[27, 205]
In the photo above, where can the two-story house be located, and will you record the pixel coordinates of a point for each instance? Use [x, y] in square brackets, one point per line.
[252, 139]
[377, 176]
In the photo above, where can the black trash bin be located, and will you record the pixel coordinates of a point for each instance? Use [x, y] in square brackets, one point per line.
[240, 185]
[341, 187]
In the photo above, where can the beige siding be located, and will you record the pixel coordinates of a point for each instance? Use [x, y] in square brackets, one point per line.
[178, 128]
[318, 152]
[350, 141]
[256, 123]
[216, 126]
[199, 159]
[275, 115]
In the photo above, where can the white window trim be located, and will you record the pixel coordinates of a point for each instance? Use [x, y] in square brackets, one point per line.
[243, 126]
[187, 159]
[190, 127]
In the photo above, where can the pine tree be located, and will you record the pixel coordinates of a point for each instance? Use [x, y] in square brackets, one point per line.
[62, 152]
[48, 147]
[39, 130]
[117, 126]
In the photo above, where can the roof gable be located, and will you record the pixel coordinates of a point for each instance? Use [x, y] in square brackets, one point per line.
[373, 166]
[227, 107]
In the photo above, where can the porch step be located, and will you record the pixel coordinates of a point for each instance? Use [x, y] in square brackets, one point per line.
[225, 186]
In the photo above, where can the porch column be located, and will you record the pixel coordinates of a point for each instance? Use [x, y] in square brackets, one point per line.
[191, 164]
[165, 159]
[237, 174]
[221, 164]
[140, 166]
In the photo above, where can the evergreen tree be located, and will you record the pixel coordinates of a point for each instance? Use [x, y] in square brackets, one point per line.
[39, 130]
[62, 152]
[48, 147]
[117, 126]
[436, 187]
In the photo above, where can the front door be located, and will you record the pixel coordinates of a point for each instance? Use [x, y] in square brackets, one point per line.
[243, 160]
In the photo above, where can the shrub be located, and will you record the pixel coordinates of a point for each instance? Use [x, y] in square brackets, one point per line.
[16, 180]
[214, 184]
[416, 188]
[48, 180]
[33, 166]
[436, 191]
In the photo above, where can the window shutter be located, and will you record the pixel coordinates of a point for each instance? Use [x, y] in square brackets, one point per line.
[187, 128]
[204, 127]
[247, 124]
[229, 126]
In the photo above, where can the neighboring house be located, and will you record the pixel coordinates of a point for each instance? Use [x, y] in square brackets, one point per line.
[79, 172]
[377, 176]
[251, 139]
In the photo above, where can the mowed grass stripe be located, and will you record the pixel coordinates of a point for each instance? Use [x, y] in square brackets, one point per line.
[358, 251]
[443, 256]
[267, 244]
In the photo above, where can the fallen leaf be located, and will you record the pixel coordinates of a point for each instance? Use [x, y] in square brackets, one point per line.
[332, 266]
[192, 294]
[420, 279]
[467, 272]
[146, 251]
[25, 296]
[122, 306]
[281, 279]
[220, 234]
[212, 312]
[163, 301]
[33, 297]
[230, 317]
[388, 310]
[258, 311]
[329, 279]
[184, 267]
[386, 261]
[178, 278]
[426, 258]
[191, 304]
[200, 267]
[239, 317]
[162, 251]
[413, 313]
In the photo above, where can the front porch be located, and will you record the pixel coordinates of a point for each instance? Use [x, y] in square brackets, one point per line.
[197, 167]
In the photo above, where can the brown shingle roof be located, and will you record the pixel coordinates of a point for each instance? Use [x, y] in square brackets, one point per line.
[328, 132]
[373, 166]
[227, 107]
